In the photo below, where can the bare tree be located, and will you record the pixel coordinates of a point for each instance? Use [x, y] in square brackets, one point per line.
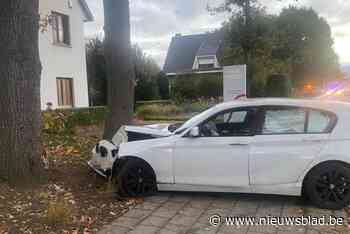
[20, 71]
[120, 73]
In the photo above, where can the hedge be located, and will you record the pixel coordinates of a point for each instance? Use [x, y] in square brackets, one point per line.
[64, 120]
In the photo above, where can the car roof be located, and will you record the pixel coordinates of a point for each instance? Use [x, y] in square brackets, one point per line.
[329, 105]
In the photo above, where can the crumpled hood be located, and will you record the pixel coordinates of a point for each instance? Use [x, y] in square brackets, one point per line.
[155, 130]
[160, 130]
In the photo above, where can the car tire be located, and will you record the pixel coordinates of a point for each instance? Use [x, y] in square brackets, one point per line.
[136, 179]
[328, 186]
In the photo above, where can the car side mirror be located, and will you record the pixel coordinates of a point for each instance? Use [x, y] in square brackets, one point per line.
[194, 132]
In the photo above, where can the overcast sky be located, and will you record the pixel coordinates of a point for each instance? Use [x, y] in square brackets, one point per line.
[154, 22]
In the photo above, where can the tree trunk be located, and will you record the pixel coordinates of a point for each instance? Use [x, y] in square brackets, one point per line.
[20, 71]
[120, 72]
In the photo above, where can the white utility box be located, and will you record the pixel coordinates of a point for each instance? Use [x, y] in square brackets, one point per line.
[235, 82]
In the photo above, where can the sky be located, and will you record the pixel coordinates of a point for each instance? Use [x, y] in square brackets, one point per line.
[155, 22]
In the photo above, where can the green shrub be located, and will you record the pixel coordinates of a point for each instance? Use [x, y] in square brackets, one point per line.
[278, 86]
[63, 121]
[146, 90]
[209, 87]
[198, 106]
[184, 88]
[194, 86]
[158, 110]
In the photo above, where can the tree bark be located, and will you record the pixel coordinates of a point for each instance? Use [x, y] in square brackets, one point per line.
[120, 72]
[20, 71]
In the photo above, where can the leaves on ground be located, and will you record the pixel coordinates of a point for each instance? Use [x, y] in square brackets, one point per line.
[74, 200]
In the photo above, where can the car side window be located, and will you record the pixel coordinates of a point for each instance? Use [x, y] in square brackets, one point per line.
[284, 120]
[318, 121]
[229, 123]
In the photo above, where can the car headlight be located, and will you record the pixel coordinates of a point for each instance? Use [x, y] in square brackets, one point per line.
[115, 152]
[103, 151]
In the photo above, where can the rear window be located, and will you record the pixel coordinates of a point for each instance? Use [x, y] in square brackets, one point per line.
[284, 121]
[296, 120]
[320, 122]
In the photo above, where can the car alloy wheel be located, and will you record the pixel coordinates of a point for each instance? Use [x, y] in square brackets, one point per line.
[328, 185]
[137, 179]
[333, 186]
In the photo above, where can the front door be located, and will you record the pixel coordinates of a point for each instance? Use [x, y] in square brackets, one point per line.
[288, 141]
[220, 155]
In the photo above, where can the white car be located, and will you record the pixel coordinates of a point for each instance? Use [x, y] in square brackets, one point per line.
[271, 146]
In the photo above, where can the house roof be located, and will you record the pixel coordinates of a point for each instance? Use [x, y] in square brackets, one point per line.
[88, 14]
[184, 49]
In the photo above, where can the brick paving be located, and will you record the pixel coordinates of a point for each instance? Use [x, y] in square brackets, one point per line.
[188, 213]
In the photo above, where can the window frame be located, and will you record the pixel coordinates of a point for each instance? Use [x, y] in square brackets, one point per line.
[329, 129]
[71, 82]
[66, 29]
[236, 109]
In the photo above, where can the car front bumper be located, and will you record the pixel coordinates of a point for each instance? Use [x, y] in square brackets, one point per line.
[104, 173]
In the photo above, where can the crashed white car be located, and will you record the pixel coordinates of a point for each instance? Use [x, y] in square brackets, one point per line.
[272, 146]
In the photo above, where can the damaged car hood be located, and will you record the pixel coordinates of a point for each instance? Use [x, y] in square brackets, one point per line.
[154, 131]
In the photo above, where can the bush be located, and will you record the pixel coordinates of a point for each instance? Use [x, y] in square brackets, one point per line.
[184, 88]
[163, 86]
[194, 86]
[209, 87]
[278, 86]
[198, 106]
[146, 90]
[63, 121]
[146, 111]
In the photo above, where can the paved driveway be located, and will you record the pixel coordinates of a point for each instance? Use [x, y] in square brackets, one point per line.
[182, 213]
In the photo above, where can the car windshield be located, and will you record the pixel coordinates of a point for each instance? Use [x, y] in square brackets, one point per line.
[192, 121]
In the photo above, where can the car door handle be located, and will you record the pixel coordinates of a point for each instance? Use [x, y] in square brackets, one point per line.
[238, 144]
[312, 140]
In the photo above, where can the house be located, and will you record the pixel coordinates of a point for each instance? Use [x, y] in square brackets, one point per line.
[62, 53]
[194, 61]
[193, 54]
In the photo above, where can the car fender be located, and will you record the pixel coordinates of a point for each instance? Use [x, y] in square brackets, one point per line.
[333, 151]
[158, 153]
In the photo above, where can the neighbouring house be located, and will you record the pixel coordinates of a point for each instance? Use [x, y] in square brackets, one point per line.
[62, 53]
[193, 54]
[195, 58]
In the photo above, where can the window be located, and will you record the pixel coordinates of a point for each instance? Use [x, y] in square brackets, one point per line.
[206, 62]
[60, 28]
[65, 94]
[319, 122]
[206, 66]
[230, 123]
[284, 120]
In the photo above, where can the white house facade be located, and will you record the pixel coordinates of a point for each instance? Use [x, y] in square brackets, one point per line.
[62, 53]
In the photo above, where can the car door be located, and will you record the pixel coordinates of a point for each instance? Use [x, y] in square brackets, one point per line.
[217, 158]
[288, 139]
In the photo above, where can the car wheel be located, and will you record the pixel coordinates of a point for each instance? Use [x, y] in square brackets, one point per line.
[136, 179]
[328, 186]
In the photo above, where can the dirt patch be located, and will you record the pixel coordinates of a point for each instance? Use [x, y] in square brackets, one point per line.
[74, 200]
